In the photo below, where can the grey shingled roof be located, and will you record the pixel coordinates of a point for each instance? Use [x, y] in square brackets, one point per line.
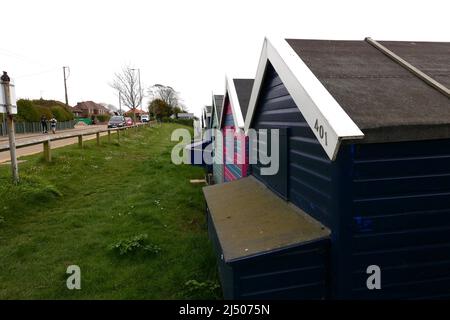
[243, 91]
[386, 101]
[218, 99]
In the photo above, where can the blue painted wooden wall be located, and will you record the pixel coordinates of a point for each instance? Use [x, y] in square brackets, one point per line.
[386, 204]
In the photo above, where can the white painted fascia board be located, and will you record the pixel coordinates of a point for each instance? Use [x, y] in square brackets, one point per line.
[234, 101]
[230, 92]
[256, 86]
[317, 105]
[225, 96]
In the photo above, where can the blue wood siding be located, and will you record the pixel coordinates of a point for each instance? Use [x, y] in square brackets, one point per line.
[307, 169]
[401, 218]
[386, 204]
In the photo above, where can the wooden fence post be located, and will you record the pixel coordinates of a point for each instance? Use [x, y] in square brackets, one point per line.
[80, 141]
[118, 135]
[109, 136]
[47, 151]
[98, 138]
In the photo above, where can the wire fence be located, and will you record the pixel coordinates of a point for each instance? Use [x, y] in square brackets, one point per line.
[34, 127]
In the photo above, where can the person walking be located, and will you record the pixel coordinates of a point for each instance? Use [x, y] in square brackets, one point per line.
[53, 123]
[44, 124]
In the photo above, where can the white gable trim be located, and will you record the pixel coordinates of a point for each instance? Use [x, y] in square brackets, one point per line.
[230, 92]
[329, 122]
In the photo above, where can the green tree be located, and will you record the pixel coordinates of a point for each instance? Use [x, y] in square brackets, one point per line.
[160, 109]
[177, 110]
[26, 111]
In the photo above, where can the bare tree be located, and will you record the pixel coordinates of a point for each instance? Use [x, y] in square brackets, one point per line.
[111, 108]
[126, 83]
[166, 94]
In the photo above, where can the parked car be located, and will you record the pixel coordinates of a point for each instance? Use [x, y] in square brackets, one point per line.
[116, 122]
[145, 118]
[128, 121]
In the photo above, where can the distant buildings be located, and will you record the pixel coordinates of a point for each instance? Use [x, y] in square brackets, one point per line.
[87, 109]
[183, 115]
[136, 111]
[206, 117]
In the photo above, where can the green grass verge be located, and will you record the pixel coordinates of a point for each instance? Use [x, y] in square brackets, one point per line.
[124, 213]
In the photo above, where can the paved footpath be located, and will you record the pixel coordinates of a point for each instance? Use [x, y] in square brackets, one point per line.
[26, 151]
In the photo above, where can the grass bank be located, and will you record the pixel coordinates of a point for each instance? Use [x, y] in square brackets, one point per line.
[127, 216]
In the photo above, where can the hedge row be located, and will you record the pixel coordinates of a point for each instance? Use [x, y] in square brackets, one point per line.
[186, 122]
[32, 110]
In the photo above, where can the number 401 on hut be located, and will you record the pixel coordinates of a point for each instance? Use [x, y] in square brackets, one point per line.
[321, 131]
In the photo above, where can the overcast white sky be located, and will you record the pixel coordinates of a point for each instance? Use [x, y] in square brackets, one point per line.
[189, 45]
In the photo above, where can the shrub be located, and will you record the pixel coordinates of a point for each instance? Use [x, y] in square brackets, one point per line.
[44, 111]
[32, 110]
[194, 289]
[103, 117]
[61, 114]
[186, 122]
[129, 245]
[26, 111]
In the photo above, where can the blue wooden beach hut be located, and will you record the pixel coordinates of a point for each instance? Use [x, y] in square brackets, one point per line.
[364, 155]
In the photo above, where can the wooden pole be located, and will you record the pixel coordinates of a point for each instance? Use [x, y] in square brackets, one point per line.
[109, 136]
[65, 85]
[118, 135]
[80, 141]
[97, 135]
[5, 81]
[47, 151]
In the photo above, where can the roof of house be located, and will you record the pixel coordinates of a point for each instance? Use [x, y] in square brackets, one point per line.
[136, 111]
[359, 91]
[238, 92]
[87, 105]
[77, 109]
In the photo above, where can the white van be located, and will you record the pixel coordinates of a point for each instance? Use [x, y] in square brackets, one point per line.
[145, 118]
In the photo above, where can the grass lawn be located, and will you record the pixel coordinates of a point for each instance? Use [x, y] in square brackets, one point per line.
[87, 205]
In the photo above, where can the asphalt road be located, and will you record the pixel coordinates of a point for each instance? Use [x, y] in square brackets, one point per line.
[26, 151]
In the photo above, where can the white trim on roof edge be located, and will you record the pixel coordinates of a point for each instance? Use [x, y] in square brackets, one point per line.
[230, 92]
[316, 104]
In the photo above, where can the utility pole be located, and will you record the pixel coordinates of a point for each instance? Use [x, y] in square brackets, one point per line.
[65, 84]
[5, 82]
